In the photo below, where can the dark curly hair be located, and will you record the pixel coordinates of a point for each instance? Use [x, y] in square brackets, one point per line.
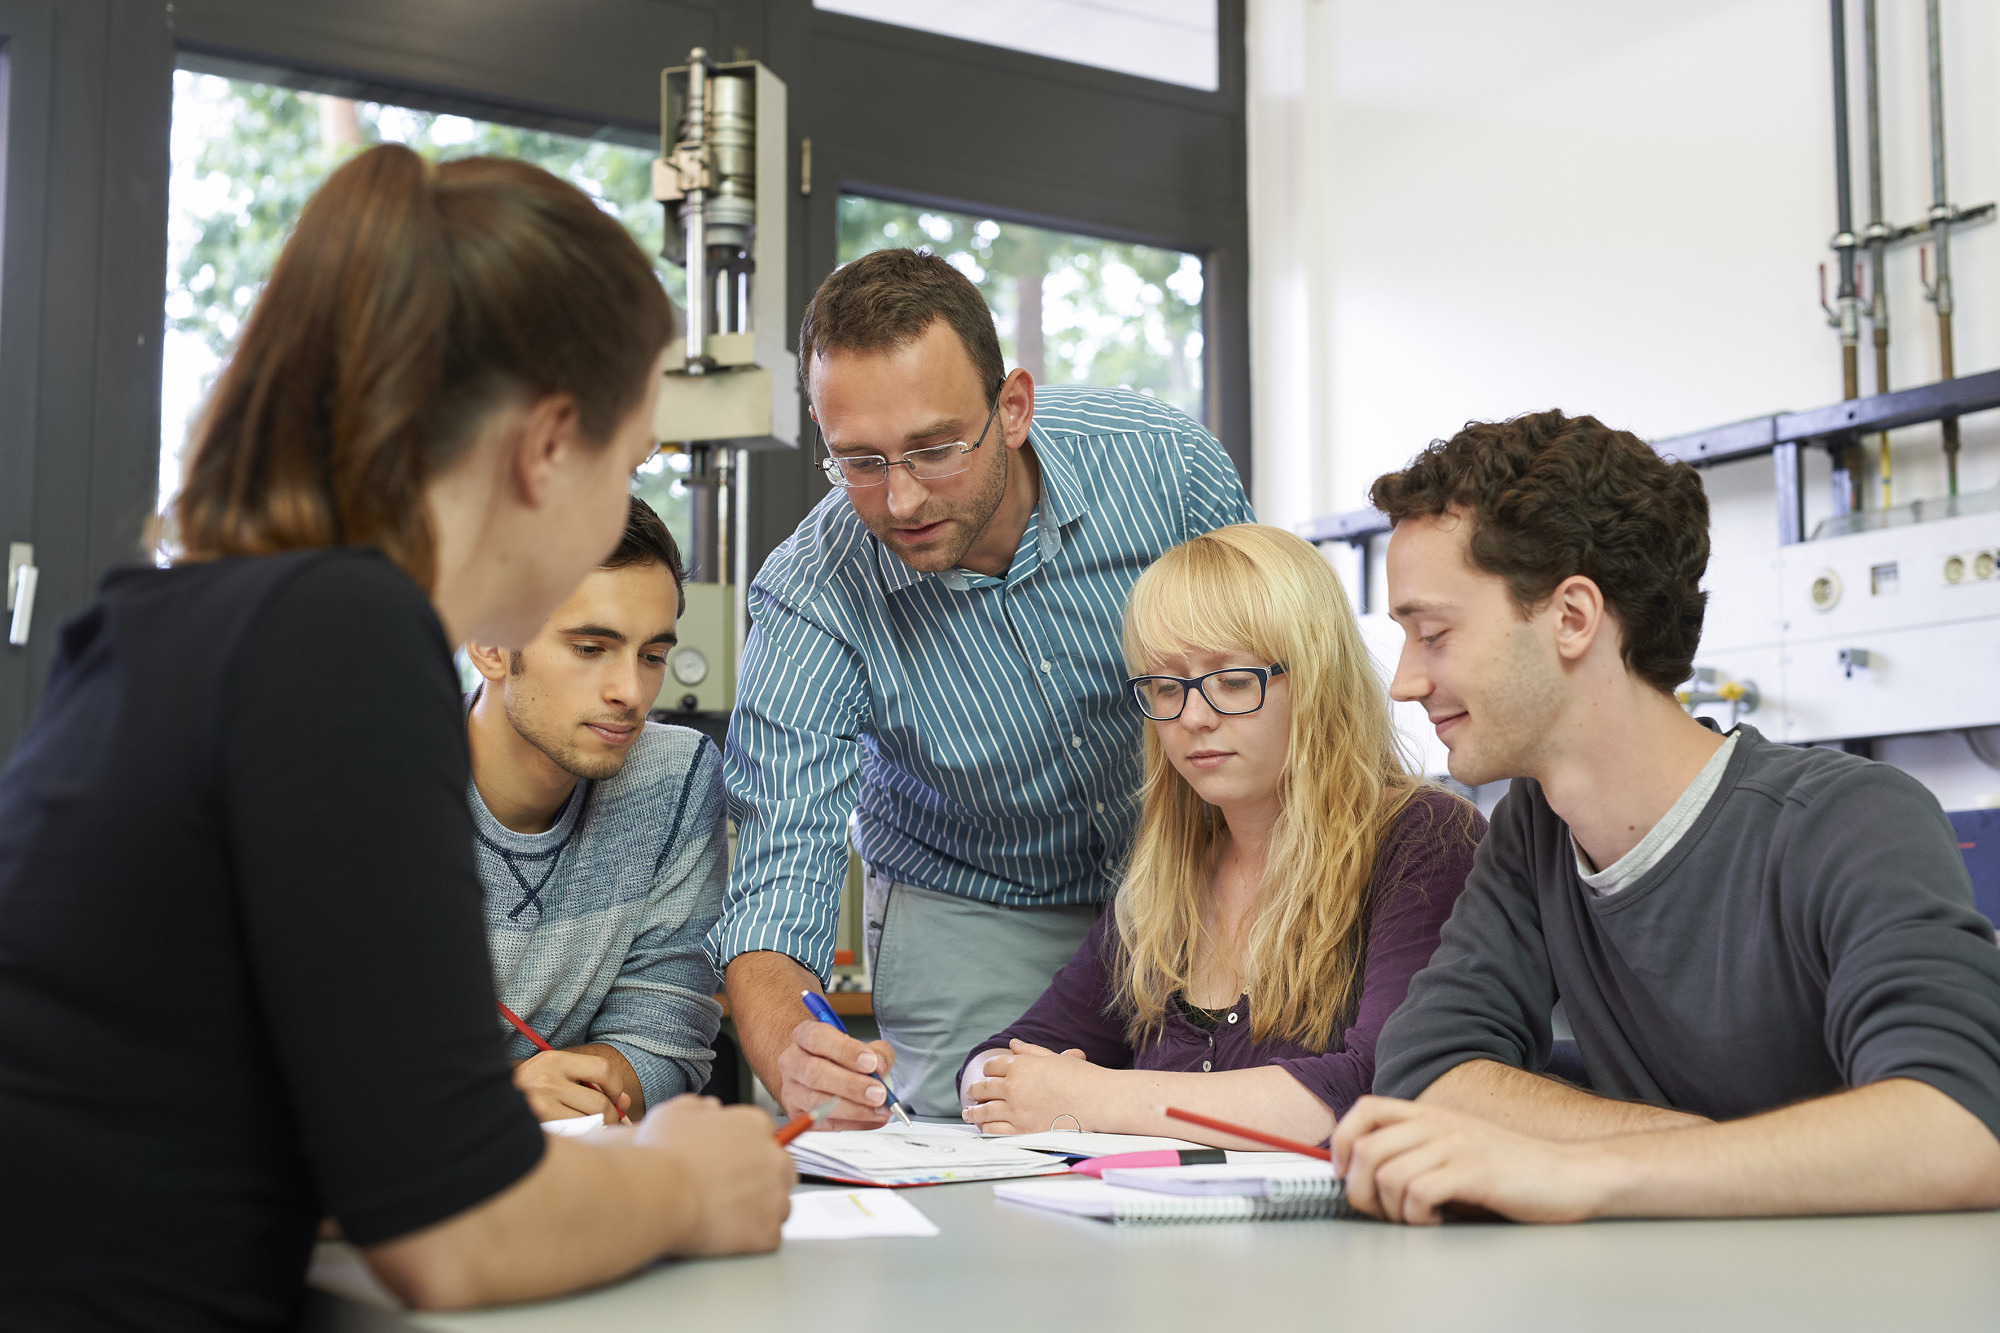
[1551, 496]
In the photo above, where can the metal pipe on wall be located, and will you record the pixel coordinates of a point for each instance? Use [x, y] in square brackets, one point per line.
[1939, 293]
[1847, 316]
[732, 200]
[705, 541]
[694, 128]
[1877, 236]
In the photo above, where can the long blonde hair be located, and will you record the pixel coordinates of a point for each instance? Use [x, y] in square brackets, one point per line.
[1269, 594]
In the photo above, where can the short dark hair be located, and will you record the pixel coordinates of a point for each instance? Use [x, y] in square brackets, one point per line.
[1552, 496]
[647, 542]
[888, 299]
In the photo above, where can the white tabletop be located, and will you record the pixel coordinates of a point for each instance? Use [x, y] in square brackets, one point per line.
[1027, 1271]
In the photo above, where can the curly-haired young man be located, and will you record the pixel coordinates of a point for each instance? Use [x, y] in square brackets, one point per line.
[1779, 986]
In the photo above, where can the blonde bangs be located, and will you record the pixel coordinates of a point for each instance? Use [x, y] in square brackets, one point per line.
[1201, 596]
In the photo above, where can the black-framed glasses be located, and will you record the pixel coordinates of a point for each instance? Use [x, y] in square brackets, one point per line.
[1230, 691]
[931, 464]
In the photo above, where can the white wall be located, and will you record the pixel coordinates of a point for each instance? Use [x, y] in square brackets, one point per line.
[1466, 210]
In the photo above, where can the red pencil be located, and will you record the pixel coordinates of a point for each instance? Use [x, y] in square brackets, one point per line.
[541, 1045]
[1254, 1135]
[805, 1120]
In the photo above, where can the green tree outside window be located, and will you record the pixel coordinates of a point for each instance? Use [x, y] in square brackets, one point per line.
[1070, 309]
[261, 152]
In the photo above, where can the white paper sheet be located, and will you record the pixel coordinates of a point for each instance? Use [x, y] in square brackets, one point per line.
[854, 1215]
[920, 1156]
[581, 1124]
[1070, 1143]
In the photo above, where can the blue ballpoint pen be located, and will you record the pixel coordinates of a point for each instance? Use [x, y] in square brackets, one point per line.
[817, 1006]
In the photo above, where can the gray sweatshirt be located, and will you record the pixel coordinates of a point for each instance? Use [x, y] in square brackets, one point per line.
[596, 926]
[1812, 930]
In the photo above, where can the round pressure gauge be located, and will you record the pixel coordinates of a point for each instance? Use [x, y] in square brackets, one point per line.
[1825, 590]
[1954, 568]
[1982, 565]
[690, 667]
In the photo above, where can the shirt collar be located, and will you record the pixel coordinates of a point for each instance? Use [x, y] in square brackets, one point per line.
[1062, 490]
[1061, 503]
[896, 575]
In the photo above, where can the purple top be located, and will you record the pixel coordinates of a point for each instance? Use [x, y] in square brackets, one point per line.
[1418, 876]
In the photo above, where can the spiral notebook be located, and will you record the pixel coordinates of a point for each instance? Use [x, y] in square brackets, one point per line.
[1084, 1197]
[1280, 1175]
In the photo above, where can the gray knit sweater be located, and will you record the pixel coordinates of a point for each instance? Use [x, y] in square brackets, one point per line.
[1812, 930]
[596, 926]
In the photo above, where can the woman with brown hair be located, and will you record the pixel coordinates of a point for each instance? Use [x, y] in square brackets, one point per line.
[242, 967]
[1288, 877]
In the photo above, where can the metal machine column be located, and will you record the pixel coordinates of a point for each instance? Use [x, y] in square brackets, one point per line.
[729, 387]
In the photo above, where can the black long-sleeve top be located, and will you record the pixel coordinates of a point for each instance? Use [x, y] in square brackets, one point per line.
[243, 974]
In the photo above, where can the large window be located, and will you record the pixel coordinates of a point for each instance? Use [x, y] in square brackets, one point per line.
[246, 156]
[1071, 309]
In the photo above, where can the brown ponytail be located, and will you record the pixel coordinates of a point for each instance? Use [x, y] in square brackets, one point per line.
[409, 301]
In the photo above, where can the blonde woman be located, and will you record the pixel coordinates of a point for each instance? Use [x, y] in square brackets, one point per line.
[1289, 874]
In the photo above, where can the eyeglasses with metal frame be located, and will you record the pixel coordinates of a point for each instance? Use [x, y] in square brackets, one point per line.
[1241, 690]
[929, 464]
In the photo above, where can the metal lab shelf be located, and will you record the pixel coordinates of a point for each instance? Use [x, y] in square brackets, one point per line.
[1781, 434]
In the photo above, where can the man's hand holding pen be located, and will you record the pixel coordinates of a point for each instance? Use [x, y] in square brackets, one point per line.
[824, 1062]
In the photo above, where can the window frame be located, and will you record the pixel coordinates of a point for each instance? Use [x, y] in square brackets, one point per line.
[1161, 164]
[89, 85]
[1185, 147]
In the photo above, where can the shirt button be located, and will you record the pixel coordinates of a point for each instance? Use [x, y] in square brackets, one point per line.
[1100, 807]
[1232, 1018]
[1046, 668]
[1076, 742]
[1204, 1066]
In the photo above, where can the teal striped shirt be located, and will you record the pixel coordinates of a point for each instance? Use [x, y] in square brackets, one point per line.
[978, 725]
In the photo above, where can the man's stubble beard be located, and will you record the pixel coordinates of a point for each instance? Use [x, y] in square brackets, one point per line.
[563, 752]
[974, 516]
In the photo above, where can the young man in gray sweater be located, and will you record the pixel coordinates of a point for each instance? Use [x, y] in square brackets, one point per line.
[601, 843]
[1783, 996]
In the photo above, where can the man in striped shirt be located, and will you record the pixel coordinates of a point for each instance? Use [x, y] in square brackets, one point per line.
[936, 651]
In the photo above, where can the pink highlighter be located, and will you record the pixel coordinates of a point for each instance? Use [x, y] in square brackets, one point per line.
[1096, 1166]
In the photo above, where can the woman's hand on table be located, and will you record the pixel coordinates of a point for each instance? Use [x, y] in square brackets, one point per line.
[1026, 1088]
